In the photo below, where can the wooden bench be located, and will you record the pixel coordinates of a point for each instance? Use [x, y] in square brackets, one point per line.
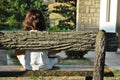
[63, 41]
[65, 70]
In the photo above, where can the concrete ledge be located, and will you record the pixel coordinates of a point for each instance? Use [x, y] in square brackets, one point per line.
[11, 68]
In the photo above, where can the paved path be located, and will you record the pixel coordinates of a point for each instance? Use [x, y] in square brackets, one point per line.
[3, 57]
[112, 58]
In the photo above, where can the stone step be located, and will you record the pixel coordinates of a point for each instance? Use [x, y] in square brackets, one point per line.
[61, 68]
[11, 68]
[75, 67]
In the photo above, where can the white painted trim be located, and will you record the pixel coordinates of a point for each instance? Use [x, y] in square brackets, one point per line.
[77, 15]
[111, 25]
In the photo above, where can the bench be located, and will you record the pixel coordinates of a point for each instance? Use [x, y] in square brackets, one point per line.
[63, 41]
[65, 70]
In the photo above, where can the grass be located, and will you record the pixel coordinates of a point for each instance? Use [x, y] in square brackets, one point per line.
[116, 73]
[43, 78]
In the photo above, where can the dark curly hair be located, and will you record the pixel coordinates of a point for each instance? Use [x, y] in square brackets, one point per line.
[34, 20]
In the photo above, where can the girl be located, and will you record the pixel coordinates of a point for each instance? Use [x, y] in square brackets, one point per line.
[36, 60]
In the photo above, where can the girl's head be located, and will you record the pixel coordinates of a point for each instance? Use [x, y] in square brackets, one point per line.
[34, 20]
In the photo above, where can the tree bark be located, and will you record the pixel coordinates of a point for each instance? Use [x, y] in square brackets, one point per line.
[48, 40]
[100, 49]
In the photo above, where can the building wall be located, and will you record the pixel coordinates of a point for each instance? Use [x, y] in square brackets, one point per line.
[88, 14]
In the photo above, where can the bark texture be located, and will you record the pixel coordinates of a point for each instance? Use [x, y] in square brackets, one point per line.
[100, 49]
[48, 40]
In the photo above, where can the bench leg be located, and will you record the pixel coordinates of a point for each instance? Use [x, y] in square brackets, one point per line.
[88, 78]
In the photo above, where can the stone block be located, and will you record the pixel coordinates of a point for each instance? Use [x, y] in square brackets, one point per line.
[87, 3]
[87, 9]
[93, 10]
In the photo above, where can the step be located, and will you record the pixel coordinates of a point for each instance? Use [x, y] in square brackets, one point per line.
[11, 68]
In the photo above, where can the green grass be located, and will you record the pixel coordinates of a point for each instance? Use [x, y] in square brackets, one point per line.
[44, 78]
[116, 72]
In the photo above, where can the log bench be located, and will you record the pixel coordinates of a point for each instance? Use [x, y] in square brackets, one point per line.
[63, 41]
[65, 70]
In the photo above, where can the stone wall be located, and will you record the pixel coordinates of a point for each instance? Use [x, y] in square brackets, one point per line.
[88, 14]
